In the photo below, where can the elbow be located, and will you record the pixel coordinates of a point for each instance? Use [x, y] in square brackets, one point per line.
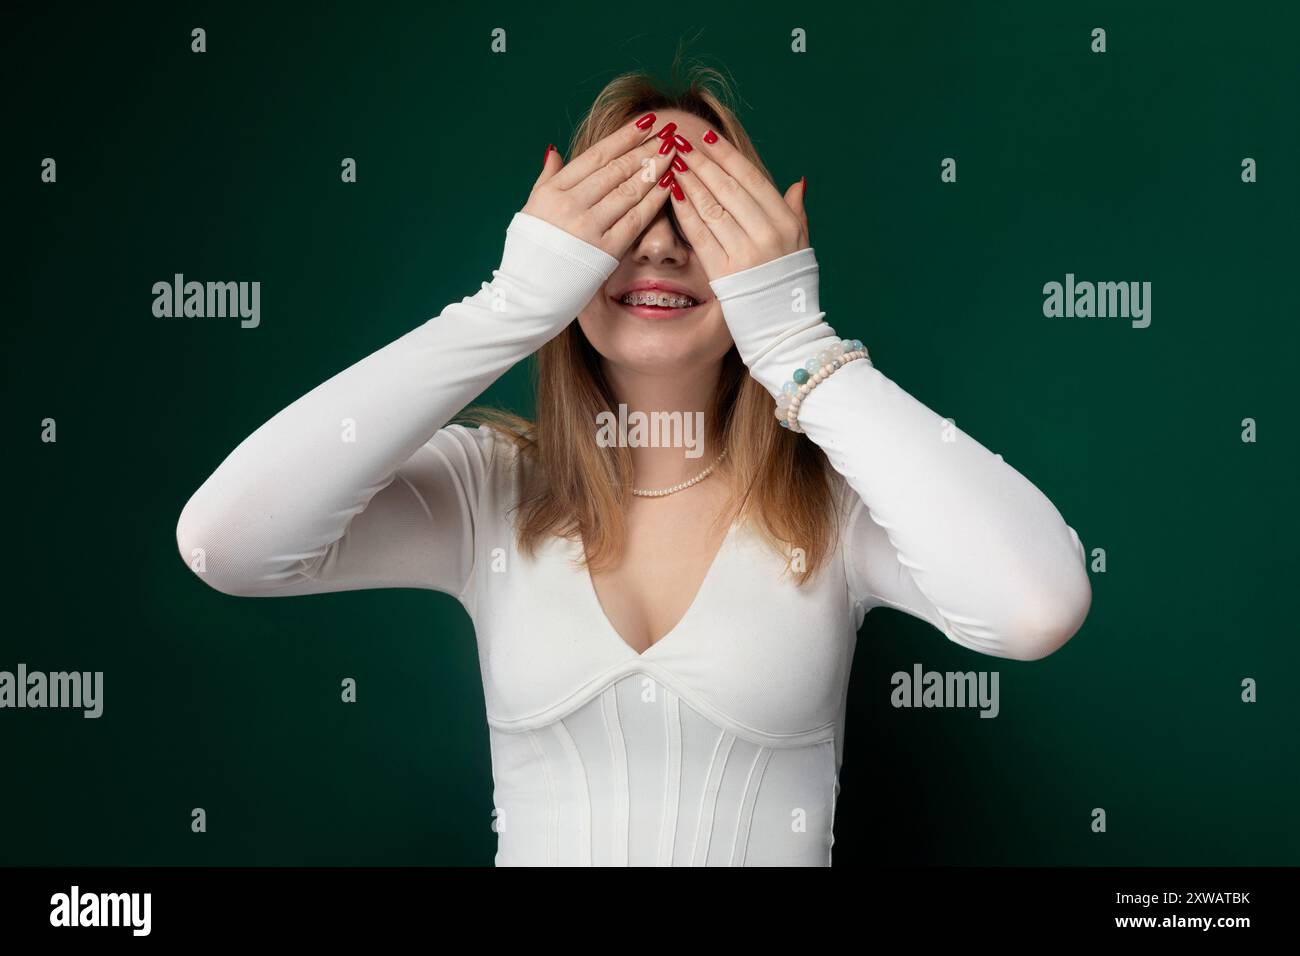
[204, 547]
[1047, 621]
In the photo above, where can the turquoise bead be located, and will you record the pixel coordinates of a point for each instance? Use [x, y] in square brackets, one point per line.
[801, 375]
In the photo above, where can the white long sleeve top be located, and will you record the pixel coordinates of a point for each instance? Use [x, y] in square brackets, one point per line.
[721, 744]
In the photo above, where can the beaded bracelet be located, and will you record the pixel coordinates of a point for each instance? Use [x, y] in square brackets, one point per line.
[813, 373]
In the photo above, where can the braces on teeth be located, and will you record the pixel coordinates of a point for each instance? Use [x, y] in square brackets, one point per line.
[666, 300]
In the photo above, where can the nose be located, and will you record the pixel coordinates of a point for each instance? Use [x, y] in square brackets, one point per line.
[659, 244]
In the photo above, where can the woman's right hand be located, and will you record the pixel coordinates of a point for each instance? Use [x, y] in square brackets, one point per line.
[609, 194]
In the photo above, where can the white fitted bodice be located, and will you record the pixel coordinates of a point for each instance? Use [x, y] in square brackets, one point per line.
[720, 744]
[636, 775]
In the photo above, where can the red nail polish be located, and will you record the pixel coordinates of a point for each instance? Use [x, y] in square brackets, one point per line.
[668, 179]
[710, 137]
[646, 121]
[682, 143]
[804, 180]
[679, 164]
[677, 190]
[666, 147]
[547, 155]
[667, 131]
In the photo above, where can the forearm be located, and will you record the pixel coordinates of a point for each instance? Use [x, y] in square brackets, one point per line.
[982, 544]
[288, 491]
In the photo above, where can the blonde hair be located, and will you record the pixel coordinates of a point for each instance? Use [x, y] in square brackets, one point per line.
[579, 490]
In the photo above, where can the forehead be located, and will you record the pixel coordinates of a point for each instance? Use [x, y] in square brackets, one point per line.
[688, 124]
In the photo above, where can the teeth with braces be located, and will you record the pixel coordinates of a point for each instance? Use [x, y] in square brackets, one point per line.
[665, 300]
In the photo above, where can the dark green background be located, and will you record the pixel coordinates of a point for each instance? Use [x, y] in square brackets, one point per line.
[225, 166]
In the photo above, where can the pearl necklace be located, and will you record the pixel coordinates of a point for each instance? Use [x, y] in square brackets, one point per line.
[673, 489]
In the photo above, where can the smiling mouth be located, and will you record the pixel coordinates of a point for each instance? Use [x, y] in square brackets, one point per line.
[655, 303]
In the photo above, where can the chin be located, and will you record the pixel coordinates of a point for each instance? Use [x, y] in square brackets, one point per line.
[658, 344]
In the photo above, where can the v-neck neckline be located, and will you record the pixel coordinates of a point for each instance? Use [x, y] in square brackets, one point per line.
[611, 631]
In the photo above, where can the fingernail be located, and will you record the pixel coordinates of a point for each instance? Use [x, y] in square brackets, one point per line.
[677, 190]
[646, 121]
[666, 147]
[679, 164]
[804, 180]
[667, 131]
[547, 155]
[682, 143]
[710, 137]
[668, 179]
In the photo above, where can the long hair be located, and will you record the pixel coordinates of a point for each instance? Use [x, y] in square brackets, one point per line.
[579, 490]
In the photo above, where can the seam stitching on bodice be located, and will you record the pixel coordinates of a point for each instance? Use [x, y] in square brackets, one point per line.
[598, 685]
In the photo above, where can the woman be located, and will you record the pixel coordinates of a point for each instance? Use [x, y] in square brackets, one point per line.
[665, 633]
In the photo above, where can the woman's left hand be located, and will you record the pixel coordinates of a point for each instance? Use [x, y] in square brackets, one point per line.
[730, 213]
